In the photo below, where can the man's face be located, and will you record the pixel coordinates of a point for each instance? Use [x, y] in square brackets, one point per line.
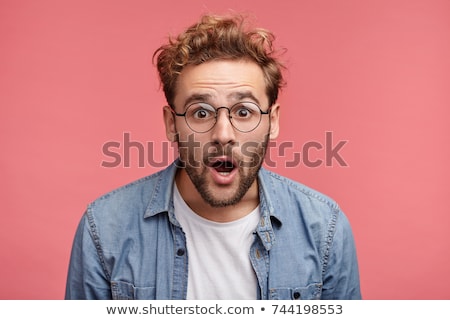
[223, 162]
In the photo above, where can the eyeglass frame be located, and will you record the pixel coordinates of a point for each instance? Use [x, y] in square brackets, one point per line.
[172, 108]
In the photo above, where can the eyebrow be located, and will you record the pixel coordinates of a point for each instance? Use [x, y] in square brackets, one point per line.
[206, 97]
[197, 97]
[242, 95]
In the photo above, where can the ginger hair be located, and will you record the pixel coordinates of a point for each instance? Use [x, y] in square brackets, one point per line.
[215, 38]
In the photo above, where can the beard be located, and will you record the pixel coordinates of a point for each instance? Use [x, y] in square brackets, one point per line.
[247, 172]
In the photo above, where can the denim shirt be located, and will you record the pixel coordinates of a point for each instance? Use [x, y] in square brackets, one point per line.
[129, 245]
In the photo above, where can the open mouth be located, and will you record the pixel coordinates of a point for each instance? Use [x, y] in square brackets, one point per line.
[223, 166]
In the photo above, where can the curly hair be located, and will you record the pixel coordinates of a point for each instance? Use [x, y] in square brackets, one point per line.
[219, 37]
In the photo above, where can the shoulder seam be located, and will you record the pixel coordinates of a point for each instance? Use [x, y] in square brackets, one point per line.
[306, 190]
[329, 239]
[126, 186]
[96, 239]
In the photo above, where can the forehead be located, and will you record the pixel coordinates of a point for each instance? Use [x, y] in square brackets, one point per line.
[221, 81]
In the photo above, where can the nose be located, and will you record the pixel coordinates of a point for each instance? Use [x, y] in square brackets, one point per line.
[223, 131]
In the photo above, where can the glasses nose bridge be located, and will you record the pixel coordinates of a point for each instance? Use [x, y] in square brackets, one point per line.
[228, 109]
[229, 118]
[229, 114]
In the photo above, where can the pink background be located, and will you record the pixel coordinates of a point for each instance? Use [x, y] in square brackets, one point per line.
[76, 74]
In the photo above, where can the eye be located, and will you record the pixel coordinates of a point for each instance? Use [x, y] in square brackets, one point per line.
[243, 111]
[201, 112]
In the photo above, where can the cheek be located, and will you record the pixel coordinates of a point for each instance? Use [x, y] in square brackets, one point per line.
[252, 150]
[190, 146]
[256, 137]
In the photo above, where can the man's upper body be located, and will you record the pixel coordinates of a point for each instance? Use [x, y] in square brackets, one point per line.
[130, 245]
[216, 225]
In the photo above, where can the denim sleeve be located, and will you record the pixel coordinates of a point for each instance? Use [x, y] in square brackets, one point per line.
[341, 274]
[87, 278]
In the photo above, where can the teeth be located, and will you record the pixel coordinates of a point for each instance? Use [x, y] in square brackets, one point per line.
[224, 173]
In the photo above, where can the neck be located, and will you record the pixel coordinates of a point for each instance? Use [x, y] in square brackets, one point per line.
[218, 214]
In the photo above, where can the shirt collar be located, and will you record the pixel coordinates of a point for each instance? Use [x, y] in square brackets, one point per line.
[269, 212]
[162, 194]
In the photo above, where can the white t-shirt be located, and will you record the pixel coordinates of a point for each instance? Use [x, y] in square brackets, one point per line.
[218, 254]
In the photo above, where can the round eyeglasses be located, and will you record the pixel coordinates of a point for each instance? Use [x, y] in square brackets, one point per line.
[202, 117]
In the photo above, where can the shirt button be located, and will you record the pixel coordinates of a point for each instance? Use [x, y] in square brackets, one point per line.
[297, 295]
[180, 252]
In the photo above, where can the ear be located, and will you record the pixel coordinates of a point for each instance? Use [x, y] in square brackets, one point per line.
[274, 121]
[169, 121]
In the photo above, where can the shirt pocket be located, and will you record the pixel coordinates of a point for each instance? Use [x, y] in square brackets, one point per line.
[312, 291]
[122, 290]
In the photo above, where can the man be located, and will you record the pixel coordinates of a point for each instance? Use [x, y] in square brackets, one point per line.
[215, 224]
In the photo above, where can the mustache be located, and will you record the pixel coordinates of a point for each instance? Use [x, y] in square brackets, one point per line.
[219, 150]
